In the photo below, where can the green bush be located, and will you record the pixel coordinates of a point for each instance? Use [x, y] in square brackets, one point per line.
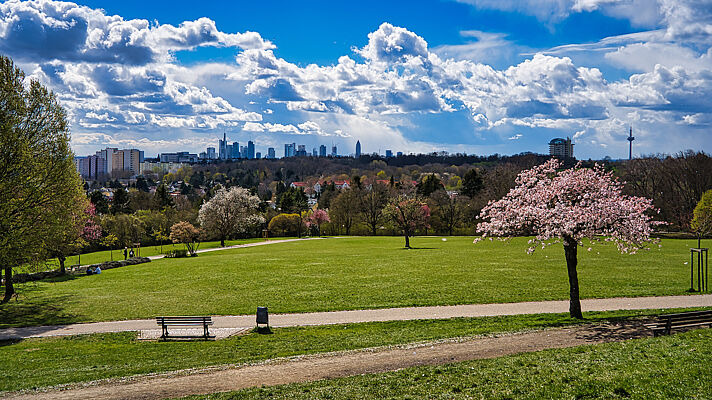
[177, 253]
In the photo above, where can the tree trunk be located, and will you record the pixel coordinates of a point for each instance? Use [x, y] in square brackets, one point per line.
[407, 240]
[222, 242]
[373, 230]
[9, 288]
[570, 248]
[61, 265]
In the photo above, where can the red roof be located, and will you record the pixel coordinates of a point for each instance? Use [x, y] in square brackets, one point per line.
[299, 184]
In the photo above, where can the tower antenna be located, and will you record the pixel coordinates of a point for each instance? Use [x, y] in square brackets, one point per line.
[630, 143]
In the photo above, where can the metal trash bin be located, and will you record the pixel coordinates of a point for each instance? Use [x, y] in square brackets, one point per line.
[262, 316]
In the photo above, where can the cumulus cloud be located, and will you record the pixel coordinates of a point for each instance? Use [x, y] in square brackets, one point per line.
[118, 76]
[49, 30]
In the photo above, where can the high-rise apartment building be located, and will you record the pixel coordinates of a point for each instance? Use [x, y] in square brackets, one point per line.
[561, 147]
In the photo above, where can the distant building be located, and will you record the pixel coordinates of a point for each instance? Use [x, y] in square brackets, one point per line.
[250, 150]
[127, 160]
[211, 153]
[290, 149]
[399, 154]
[389, 153]
[358, 148]
[315, 152]
[179, 157]
[258, 155]
[561, 148]
[322, 151]
[235, 150]
[301, 151]
[271, 153]
[90, 167]
[333, 151]
[222, 148]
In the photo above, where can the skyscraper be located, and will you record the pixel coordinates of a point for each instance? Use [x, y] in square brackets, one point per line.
[290, 149]
[211, 153]
[322, 151]
[271, 153]
[258, 155]
[358, 148]
[250, 150]
[333, 151]
[222, 148]
[235, 150]
[389, 153]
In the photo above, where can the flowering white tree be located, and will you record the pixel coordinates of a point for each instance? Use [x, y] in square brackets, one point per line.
[229, 212]
[568, 206]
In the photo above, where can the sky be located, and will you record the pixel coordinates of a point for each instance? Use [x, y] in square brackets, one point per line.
[463, 76]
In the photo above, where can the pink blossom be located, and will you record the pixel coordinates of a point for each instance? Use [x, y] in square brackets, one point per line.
[570, 204]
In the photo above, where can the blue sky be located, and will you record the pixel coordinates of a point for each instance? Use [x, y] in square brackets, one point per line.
[475, 76]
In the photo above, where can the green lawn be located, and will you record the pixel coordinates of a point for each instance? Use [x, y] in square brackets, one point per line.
[148, 251]
[36, 363]
[670, 367]
[348, 273]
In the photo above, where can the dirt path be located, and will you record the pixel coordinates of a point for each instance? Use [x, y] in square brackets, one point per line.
[333, 365]
[387, 314]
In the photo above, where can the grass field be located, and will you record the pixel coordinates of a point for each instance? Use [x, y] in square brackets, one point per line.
[347, 273]
[670, 367]
[36, 363]
[148, 251]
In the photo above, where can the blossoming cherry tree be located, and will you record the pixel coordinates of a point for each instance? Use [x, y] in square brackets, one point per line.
[567, 206]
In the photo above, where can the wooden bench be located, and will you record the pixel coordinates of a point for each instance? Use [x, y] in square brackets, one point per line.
[666, 323]
[165, 322]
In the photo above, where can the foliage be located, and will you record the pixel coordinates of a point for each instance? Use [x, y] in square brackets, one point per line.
[293, 200]
[229, 212]
[702, 216]
[285, 224]
[120, 202]
[429, 185]
[39, 184]
[568, 206]
[317, 218]
[184, 232]
[127, 228]
[409, 214]
[345, 208]
[372, 204]
[100, 204]
[162, 199]
[448, 210]
[472, 183]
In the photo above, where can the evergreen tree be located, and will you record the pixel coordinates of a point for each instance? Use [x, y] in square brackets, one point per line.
[471, 183]
[162, 199]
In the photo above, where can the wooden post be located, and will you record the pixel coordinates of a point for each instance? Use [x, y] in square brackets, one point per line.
[692, 268]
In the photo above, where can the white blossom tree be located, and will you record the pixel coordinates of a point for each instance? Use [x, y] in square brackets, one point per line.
[569, 206]
[229, 212]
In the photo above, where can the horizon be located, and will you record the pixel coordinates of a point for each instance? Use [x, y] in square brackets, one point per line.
[470, 76]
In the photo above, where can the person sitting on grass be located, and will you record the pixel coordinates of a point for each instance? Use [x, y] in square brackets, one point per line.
[97, 270]
[90, 271]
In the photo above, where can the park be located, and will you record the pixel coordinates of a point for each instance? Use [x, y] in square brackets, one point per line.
[359, 276]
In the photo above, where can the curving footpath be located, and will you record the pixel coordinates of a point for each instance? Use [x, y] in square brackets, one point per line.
[238, 322]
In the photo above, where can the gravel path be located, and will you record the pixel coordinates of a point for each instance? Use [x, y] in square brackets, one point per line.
[388, 314]
[333, 365]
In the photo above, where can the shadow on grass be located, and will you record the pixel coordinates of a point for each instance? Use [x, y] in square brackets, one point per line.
[419, 248]
[28, 310]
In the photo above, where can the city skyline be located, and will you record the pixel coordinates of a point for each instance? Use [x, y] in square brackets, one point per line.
[473, 76]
